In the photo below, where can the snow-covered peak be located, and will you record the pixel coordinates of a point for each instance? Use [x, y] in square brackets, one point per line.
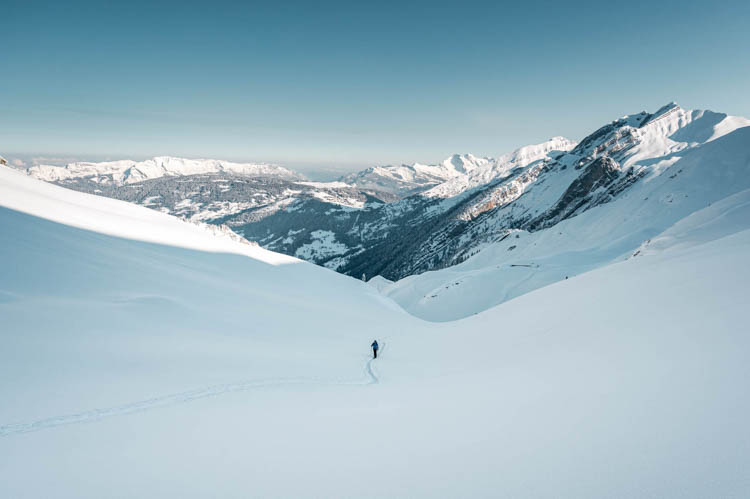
[691, 126]
[491, 169]
[525, 155]
[416, 177]
[465, 163]
[452, 175]
[666, 110]
[640, 119]
[129, 171]
[668, 130]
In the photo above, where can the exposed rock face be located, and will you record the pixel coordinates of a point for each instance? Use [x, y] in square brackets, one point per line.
[588, 190]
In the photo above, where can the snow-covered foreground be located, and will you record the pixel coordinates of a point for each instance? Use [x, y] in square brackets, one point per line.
[139, 367]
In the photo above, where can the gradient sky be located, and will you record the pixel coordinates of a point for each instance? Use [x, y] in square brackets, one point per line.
[350, 84]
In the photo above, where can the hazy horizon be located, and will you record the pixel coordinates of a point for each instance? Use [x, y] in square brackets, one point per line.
[314, 170]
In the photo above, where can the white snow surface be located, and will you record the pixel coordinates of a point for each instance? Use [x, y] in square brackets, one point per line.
[129, 171]
[117, 218]
[133, 366]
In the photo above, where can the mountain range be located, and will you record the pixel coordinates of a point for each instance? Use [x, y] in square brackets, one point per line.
[645, 171]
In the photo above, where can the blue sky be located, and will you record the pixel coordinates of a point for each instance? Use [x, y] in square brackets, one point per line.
[348, 84]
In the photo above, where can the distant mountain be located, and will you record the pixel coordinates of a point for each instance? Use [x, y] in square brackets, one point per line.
[405, 180]
[130, 172]
[214, 191]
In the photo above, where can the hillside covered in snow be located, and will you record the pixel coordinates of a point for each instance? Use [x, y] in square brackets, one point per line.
[636, 175]
[147, 356]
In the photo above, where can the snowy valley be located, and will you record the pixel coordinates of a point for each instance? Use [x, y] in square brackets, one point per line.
[218, 368]
[374, 250]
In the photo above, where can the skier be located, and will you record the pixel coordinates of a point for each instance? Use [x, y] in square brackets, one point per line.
[374, 349]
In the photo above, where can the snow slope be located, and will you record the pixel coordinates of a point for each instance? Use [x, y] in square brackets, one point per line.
[129, 171]
[143, 369]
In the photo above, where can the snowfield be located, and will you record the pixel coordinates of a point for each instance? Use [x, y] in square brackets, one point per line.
[143, 356]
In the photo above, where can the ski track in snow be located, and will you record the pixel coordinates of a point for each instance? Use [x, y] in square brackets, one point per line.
[174, 399]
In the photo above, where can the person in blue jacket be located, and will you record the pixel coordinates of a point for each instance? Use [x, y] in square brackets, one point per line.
[374, 349]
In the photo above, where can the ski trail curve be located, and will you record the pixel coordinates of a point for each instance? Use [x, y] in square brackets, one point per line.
[371, 373]
[175, 399]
